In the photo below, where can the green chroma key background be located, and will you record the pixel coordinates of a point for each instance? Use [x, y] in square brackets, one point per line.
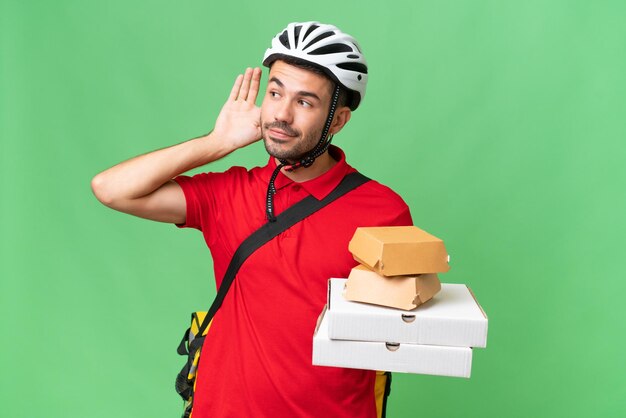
[502, 124]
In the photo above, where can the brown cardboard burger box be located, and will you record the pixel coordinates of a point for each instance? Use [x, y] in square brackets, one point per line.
[399, 250]
[402, 292]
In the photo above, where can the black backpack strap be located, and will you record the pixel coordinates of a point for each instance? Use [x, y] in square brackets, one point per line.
[261, 236]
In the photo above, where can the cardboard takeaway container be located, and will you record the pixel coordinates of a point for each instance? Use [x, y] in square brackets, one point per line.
[402, 292]
[399, 250]
[452, 317]
[394, 357]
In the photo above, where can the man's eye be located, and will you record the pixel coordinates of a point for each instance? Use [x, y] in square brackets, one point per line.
[304, 103]
[274, 94]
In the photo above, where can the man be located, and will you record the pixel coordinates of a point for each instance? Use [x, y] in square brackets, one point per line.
[256, 361]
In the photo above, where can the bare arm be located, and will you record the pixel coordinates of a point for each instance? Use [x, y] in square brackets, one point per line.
[143, 186]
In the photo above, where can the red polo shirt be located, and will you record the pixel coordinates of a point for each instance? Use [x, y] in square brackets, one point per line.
[256, 360]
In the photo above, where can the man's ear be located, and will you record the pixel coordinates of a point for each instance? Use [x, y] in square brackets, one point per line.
[342, 116]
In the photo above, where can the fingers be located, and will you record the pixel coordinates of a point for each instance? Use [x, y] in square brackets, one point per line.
[246, 86]
[235, 91]
[254, 85]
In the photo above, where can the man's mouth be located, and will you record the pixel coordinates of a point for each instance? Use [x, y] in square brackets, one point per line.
[278, 134]
[280, 131]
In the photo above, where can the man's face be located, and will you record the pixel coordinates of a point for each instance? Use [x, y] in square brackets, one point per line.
[293, 111]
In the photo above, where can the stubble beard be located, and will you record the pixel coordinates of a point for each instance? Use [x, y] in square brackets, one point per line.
[302, 144]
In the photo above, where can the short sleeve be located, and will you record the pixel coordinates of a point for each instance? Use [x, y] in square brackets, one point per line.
[199, 199]
[210, 198]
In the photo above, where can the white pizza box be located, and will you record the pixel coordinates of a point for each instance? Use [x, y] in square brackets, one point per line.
[452, 317]
[393, 357]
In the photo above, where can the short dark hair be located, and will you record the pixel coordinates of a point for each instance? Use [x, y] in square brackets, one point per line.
[345, 96]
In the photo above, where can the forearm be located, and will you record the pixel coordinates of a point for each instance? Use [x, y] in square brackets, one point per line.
[142, 175]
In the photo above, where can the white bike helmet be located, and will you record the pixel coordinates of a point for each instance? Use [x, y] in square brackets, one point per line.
[326, 47]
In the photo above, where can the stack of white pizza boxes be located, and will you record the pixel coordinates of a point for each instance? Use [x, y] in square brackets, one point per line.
[393, 314]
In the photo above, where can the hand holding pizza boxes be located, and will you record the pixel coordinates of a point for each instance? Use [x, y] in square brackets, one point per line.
[392, 313]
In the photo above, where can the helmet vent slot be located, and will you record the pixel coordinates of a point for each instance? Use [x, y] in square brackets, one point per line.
[284, 39]
[297, 30]
[309, 30]
[319, 38]
[353, 66]
[331, 49]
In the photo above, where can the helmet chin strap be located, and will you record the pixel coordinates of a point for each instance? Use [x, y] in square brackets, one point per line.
[306, 161]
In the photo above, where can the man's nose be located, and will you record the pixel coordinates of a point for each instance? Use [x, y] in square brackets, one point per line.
[284, 112]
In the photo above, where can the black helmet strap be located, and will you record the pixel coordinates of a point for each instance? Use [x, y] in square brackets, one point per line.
[307, 160]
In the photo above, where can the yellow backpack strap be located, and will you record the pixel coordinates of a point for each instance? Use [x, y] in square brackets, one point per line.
[382, 389]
